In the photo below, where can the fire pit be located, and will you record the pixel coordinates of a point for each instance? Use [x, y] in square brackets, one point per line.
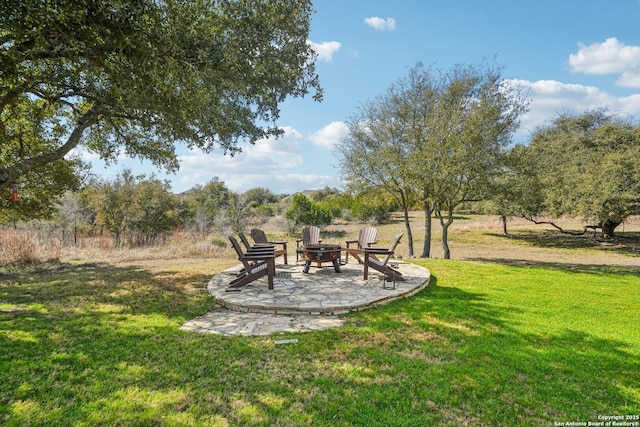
[322, 253]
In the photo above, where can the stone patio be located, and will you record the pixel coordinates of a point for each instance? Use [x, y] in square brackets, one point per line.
[302, 302]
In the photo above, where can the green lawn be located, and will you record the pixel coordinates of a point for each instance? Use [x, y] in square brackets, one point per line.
[486, 344]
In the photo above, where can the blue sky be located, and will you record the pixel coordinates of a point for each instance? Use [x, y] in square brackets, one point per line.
[572, 55]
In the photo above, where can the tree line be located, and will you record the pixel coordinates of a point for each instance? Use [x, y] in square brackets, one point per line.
[140, 210]
[440, 139]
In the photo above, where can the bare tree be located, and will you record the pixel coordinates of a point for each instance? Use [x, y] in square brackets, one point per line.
[374, 155]
[71, 214]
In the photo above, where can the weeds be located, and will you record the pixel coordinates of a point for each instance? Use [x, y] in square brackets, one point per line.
[18, 246]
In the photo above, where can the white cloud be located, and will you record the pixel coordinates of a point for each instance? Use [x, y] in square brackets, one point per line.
[629, 79]
[550, 98]
[267, 156]
[381, 24]
[83, 154]
[609, 57]
[325, 50]
[270, 163]
[630, 105]
[329, 135]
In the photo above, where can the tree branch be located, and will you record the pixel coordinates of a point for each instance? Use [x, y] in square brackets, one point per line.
[11, 174]
[562, 230]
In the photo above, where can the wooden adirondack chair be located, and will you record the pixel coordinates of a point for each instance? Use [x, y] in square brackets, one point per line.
[252, 248]
[366, 238]
[260, 237]
[256, 264]
[310, 236]
[380, 264]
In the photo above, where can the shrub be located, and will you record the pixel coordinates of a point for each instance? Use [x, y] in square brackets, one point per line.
[377, 213]
[307, 212]
[24, 246]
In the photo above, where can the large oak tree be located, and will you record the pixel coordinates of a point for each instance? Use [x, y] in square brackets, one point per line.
[467, 133]
[588, 166]
[139, 77]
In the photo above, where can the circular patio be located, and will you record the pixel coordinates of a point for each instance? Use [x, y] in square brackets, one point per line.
[322, 291]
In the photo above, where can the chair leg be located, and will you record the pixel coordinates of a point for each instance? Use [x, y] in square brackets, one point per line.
[271, 271]
[366, 266]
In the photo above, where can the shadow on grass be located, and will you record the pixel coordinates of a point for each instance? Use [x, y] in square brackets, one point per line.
[559, 266]
[102, 288]
[626, 243]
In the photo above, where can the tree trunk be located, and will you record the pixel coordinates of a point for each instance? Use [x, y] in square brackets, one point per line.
[609, 227]
[428, 212]
[504, 225]
[407, 226]
[445, 231]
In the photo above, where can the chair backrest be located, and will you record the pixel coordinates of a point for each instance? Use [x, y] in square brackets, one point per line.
[367, 236]
[259, 236]
[244, 240]
[236, 246]
[392, 248]
[310, 235]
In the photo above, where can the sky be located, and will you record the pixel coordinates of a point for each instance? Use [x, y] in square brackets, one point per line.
[570, 55]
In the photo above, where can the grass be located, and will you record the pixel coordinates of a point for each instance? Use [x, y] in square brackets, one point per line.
[488, 343]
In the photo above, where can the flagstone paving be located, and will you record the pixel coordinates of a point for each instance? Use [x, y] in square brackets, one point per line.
[301, 302]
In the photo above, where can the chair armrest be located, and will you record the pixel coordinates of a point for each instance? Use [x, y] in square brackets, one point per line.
[257, 255]
[378, 251]
[248, 257]
[260, 249]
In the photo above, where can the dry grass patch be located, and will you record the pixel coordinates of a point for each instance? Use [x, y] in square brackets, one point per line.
[19, 246]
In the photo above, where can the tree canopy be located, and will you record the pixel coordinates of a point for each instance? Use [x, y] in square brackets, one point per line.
[436, 138]
[141, 76]
[134, 209]
[516, 188]
[588, 166]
